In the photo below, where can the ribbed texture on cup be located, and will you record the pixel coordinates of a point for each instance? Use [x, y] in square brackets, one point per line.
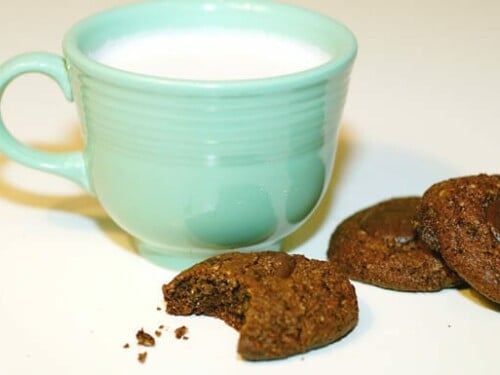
[210, 129]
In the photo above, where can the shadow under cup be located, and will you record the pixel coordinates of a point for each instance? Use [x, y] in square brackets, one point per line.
[194, 168]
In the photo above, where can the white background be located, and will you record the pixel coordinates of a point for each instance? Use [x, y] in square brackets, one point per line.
[423, 106]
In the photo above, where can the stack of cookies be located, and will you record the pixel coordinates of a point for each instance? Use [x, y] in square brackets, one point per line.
[285, 304]
[449, 237]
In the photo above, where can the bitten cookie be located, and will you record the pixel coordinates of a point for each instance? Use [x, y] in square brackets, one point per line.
[378, 246]
[460, 218]
[281, 304]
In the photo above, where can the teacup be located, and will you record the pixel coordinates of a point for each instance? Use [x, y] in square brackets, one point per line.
[195, 167]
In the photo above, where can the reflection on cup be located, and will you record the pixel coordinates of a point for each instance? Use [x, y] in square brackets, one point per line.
[223, 221]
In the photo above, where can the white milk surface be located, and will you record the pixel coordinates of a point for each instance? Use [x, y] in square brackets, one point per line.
[210, 55]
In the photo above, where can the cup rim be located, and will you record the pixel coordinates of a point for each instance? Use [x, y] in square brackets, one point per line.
[74, 55]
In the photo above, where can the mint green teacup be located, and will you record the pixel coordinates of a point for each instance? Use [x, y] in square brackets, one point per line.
[192, 168]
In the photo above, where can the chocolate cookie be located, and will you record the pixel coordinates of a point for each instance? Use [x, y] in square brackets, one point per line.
[281, 304]
[379, 246]
[460, 218]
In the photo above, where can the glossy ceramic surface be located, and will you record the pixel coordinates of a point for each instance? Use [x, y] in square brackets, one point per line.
[196, 167]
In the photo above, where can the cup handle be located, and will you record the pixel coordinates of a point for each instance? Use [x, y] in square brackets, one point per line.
[70, 165]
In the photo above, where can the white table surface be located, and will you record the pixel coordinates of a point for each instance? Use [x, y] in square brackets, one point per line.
[424, 105]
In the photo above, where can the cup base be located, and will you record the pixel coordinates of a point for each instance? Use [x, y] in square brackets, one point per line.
[180, 259]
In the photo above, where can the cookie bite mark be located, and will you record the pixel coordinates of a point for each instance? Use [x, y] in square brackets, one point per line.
[211, 295]
[281, 304]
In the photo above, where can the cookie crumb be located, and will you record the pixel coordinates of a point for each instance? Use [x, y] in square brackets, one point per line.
[144, 338]
[158, 308]
[141, 357]
[180, 333]
[158, 333]
[126, 346]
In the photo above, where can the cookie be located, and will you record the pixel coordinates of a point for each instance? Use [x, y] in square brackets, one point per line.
[378, 245]
[460, 218]
[281, 304]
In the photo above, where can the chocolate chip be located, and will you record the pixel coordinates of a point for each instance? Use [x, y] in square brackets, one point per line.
[395, 222]
[284, 266]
